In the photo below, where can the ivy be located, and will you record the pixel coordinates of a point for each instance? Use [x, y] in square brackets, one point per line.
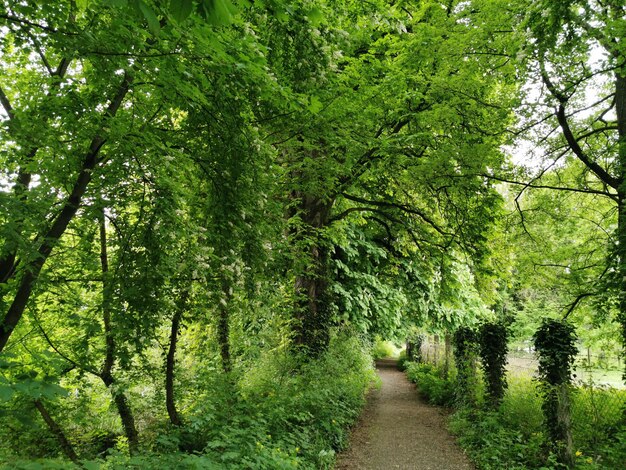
[493, 349]
[465, 352]
[555, 342]
[414, 347]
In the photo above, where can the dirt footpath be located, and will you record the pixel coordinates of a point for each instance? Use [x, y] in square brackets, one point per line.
[399, 430]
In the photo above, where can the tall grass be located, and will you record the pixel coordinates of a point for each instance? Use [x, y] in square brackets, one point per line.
[513, 436]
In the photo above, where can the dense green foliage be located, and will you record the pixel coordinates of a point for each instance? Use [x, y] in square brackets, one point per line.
[493, 349]
[513, 435]
[433, 386]
[208, 207]
[273, 418]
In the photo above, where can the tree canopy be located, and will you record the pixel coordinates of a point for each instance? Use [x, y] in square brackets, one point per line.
[190, 187]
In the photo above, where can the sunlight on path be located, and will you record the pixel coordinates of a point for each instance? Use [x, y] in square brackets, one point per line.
[399, 431]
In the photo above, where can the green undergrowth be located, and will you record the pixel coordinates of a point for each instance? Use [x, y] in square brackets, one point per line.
[433, 386]
[513, 436]
[382, 349]
[280, 414]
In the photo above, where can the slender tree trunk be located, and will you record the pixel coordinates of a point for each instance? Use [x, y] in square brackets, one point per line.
[223, 328]
[620, 107]
[121, 402]
[170, 362]
[125, 412]
[54, 427]
[564, 420]
[59, 225]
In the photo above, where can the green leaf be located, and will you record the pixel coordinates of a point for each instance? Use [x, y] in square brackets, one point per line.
[117, 3]
[181, 9]
[316, 17]
[223, 11]
[151, 18]
[52, 390]
[91, 465]
[6, 393]
[315, 105]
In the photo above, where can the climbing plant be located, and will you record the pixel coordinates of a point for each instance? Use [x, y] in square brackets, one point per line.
[493, 349]
[465, 354]
[555, 342]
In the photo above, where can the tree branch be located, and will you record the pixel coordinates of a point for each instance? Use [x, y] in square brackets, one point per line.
[547, 186]
[576, 301]
[400, 207]
[6, 104]
[572, 141]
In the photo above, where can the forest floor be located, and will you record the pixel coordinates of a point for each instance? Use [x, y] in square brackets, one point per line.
[398, 430]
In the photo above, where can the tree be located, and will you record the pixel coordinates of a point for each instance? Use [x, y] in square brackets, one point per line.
[576, 51]
[395, 134]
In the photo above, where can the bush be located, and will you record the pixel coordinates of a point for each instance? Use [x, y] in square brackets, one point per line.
[403, 361]
[513, 437]
[431, 384]
[282, 413]
[382, 349]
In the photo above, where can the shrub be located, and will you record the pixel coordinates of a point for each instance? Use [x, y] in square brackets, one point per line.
[403, 361]
[382, 349]
[431, 384]
[279, 414]
[513, 437]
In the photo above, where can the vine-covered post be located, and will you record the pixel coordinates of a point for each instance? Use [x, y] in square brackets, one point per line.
[465, 354]
[414, 347]
[555, 342]
[494, 348]
[446, 354]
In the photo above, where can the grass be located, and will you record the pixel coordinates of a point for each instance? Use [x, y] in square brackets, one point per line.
[514, 436]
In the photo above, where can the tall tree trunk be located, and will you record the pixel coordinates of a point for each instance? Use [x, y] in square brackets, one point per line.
[54, 427]
[170, 362]
[312, 316]
[620, 107]
[223, 327]
[121, 402]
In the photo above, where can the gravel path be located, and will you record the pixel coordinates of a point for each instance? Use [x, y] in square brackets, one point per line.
[399, 430]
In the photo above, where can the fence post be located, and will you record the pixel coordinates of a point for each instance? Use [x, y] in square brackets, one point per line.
[555, 342]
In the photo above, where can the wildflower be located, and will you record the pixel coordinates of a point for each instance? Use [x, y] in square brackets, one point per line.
[578, 453]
